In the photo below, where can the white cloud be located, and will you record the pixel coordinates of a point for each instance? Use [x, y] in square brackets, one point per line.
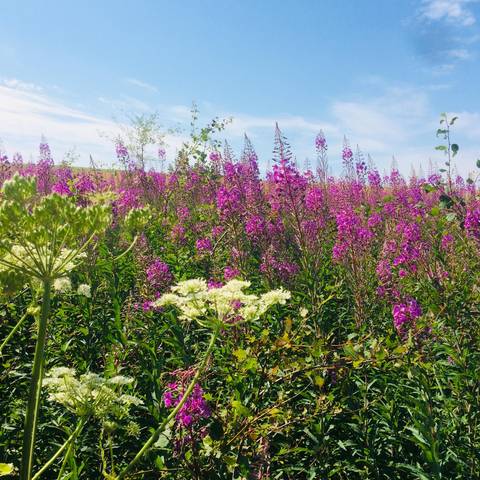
[141, 84]
[450, 10]
[459, 53]
[19, 85]
[27, 115]
[399, 121]
[249, 124]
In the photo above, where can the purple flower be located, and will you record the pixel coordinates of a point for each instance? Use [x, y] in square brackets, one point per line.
[314, 199]
[195, 407]
[320, 141]
[214, 284]
[162, 154]
[217, 231]
[447, 241]
[121, 151]
[347, 154]
[178, 234]
[228, 201]
[374, 178]
[255, 226]
[61, 188]
[204, 245]
[404, 313]
[215, 157]
[229, 273]
[472, 223]
[159, 275]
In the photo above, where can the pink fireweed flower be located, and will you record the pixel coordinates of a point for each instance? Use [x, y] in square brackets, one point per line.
[314, 199]
[229, 273]
[212, 283]
[183, 213]
[352, 235]
[204, 245]
[62, 188]
[215, 157]
[320, 142]
[162, 154]
[374, 179]
[217, 231]
[472, 222]
[178, 234]
[283, 270]
[255, 226]
[405, 313]
[159, 275]
[84, 184]
[193, 410]
[121, 151]
[347, 153]
[228, 201]
[374, 220]
[447, 241]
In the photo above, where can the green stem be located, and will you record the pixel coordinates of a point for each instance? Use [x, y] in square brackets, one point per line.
[127, 250]
[60, 450]
[14, 330]
[35, 387]
[148, 444]
[110, 447]
[65, 459]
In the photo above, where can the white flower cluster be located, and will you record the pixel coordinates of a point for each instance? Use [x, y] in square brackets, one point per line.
[90, 394]
[225, 304]
[84, 290]
[62, 285]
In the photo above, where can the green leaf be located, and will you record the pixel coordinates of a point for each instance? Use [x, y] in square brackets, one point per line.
[443, 148]
[159, 462]
[6, 469]
[164, 439]
[240, 354]
[455, 148]
[478, 163]
[452, 121]
[241, 409]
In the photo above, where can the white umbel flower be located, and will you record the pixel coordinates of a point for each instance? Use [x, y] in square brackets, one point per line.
[62, 285]
[84, 290]
[227, 304]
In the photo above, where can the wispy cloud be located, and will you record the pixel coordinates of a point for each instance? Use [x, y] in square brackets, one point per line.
[398, 121]
[459, 53]
[141, 84]
[20, 85]
[444, 33]
[28, 113]
[456, 11]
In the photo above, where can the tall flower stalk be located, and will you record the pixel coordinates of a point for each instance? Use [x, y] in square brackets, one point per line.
[41, 241]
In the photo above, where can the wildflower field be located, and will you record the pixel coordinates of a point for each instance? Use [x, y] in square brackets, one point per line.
[208, 322]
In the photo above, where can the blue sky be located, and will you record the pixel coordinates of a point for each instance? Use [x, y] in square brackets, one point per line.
[379, 72]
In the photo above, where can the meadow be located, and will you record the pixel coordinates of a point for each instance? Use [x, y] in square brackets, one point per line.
[208, 322]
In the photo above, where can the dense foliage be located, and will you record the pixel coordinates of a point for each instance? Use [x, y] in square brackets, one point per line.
[352, 351]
